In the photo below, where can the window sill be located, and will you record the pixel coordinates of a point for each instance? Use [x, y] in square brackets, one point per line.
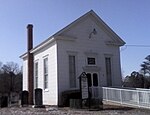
[91, 68]
[46, 90]
[91, 65]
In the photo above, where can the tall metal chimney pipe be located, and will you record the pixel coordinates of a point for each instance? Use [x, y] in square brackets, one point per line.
[30, 36]
[30, 63]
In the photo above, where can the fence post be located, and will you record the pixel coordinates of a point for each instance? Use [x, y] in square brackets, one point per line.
[147, 98]
[121, 96]
[106, 94]
[138, 98]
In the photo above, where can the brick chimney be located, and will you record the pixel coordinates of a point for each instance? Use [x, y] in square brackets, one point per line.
[30, 63]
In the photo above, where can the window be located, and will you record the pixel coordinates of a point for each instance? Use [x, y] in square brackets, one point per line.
[91, 61]
[92, 79]
[108, 71]
[89, 79]
[36, 74]
[95, 79]
[72, 71]
[45, 73]
[91, 58]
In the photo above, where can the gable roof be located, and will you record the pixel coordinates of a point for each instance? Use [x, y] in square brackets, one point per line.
[91, 13]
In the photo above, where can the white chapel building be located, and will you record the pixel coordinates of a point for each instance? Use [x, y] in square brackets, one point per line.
[86, 45]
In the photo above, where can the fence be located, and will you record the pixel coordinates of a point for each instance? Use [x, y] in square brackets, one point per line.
[134, 97]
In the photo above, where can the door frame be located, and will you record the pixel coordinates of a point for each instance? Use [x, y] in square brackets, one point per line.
[94, 90]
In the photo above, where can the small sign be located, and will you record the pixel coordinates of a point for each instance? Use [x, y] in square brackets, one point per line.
[84, 86]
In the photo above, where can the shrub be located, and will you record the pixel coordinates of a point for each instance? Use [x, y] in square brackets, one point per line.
[69, 94]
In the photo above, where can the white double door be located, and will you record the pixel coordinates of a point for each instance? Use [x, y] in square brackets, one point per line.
[93, 81]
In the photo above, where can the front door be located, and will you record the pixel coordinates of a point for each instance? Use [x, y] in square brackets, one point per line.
[93, 84]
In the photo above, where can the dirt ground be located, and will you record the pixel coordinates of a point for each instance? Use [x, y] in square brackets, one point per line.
[107, 110]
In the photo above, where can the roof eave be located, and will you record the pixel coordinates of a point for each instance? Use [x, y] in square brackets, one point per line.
[43, 44]
[23, 55]
[115, 43]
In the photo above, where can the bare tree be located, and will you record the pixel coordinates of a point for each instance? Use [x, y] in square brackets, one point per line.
[11, 67]
[12, 76]
[10, 79]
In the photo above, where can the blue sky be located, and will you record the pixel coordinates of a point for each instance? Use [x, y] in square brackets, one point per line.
[130, 19]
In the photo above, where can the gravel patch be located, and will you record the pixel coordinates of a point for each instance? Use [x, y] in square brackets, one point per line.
[107, 110]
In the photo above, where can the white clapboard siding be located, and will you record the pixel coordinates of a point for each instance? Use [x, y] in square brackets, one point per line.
[76, 39]
[25, 74]
[81, 44]
[50, 52]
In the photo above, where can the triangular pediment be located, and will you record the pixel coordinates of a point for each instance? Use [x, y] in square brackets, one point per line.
[92, 17]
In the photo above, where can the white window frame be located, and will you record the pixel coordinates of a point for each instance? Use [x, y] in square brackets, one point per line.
[36, 73]
[91, 55]
[73, 53]
[109, 83]
[72, 77]
[45, 74]
[88, 61]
